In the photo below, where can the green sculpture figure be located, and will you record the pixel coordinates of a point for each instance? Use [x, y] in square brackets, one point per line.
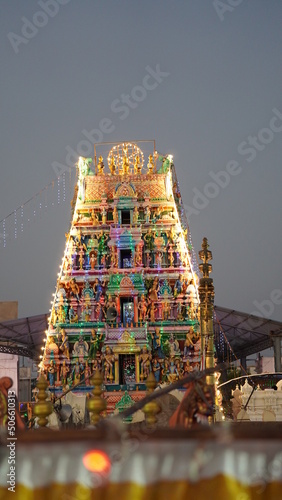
[165, 164]
[149, 239]
[94, 344]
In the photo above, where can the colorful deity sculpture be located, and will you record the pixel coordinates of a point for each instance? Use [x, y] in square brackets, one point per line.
[61, 314]
[147, 215]
[166, 308]
[87, 373]
[73, 316]
[94, 344]
[173, 374]
[153, 291]
[113, 257]
[80, 348]
[145, 363]
[52, 350]
[174, 349]
[142, 307]
[135, 216]
[149, 239]
[76, 372]
[64, 373]
[165, 372]
[93, 259]
[51, 373]
[178, 286]
[148, 259]
[104, 215]
[108, 363]
[65, 346]
[94, 218]
[138, 256]
[156, 368]
[158, 258]
[157, 345]
[74, 288]
[115, 215]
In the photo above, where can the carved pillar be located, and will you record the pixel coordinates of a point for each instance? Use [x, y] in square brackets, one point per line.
[117, 370]
[206, 294]
[118, 307]
[137, 369]
[135, 308]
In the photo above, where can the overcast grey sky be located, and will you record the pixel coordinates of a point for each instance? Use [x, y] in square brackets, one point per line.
[65, 70]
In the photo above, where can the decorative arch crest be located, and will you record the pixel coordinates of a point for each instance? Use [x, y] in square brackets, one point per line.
[126, 282]
[125, 190]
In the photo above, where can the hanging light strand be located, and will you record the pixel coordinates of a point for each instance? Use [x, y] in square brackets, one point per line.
[16, 220]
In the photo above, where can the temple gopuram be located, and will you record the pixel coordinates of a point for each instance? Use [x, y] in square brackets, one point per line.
[126, 300]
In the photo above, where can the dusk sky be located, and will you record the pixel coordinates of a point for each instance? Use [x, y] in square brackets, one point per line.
[213, 100]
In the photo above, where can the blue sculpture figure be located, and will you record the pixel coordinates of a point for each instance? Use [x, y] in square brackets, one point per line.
[156, 369]
[51, 373]
[178, 286]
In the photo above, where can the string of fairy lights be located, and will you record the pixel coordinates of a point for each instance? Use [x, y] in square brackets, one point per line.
[53, 194]
[225, 342]
[183, 217]
[61, 267]
[184, 243]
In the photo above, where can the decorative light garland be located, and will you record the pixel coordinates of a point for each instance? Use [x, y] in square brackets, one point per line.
[15, 220]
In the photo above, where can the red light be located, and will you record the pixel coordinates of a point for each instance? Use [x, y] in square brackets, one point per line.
[97, 461]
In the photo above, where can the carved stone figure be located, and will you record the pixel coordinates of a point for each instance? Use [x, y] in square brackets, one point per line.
[51, 373]
[80, 348]
[64, 347]
[142, 307]
[108, 359]
[145, 363]
[64, 373]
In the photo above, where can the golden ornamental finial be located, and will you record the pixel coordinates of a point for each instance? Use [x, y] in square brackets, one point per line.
[137, 165]
[205, 255]
[96, 404]
[112, 166]
[43, 408]
[150, 164]
[125, 162]
[152, 408]
[100, 165]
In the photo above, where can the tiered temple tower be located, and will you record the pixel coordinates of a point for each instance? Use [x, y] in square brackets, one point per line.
[126, 299]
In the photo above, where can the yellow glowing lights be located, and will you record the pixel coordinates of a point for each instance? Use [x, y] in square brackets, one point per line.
[131, 151]
[97, 461]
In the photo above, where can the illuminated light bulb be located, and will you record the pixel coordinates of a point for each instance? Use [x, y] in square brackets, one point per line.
[97, 461]
[40, 356]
